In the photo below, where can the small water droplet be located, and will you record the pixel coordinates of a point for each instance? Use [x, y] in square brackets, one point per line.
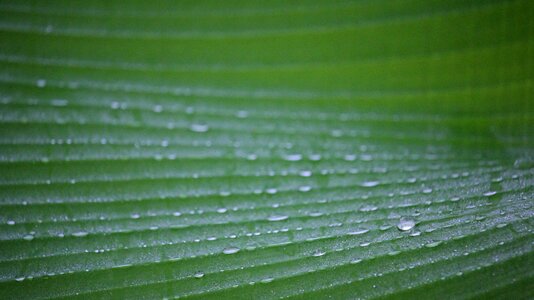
[176, 213]
[370, 183]
[60, 102]
[293, 157]
[427, 191]
[231, 250]
[271, 191]
[305, 188]
[367, 208]
[135, 216]
[405, 224]
[198, 275]
[242, 114]
[157, 108]
[19, 279]
[276, 218]
[222, 210]
[305, 173]
[433, 244]
[199, 127]
[358, 231]
[490, 193]
[267, 280]
[80, 234]
[41, 83]
[318, 253]
[10, 222]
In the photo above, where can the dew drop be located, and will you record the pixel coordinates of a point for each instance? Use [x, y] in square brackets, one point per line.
[405, 224]
[176, 213]
[198, 275]
[293, 157]
[433, 244]
[267, 280]
[318, 253]
[305, 173]
[222, 210]
[135, 216]
[80, 234]
[28, 237]
[19, 279]
[231, 250]
[276, 218]
[370, 183]
[305, 188]
[358, 231]
[199, 127]
[367, 208]
[60, 102]
[41, 83]
[242, 114]
[490, 193]
[271, 191]
[10, 222]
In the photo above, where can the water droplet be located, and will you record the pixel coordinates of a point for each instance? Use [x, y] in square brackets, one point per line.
[355, 261]
[267, 280]
[41, 83]
[433, 244]
[358, 231]
[370, 183]
[501, 225]
[276, 218]
[231, 250]
[10, 222]
[28, 237]
[271, 191]
[242, 114]
[199, 127]
[19, 279]
[367, 208]
[318, 253]
[60, 102]
[293, 157]
[157, 108]
[315, 214]
[490, 193]
[222, 210]
[405, 224]
[427, 191]
[135, 216]
[305, 173]
[176, 213]
[305, 188]
[80, 234]
[349, 157]
[198, 275]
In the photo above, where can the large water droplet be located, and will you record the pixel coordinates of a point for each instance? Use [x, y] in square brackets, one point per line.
[198, 275]
[405, 224]
[318, 253]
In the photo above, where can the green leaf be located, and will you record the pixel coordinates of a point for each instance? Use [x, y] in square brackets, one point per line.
[266, 149]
